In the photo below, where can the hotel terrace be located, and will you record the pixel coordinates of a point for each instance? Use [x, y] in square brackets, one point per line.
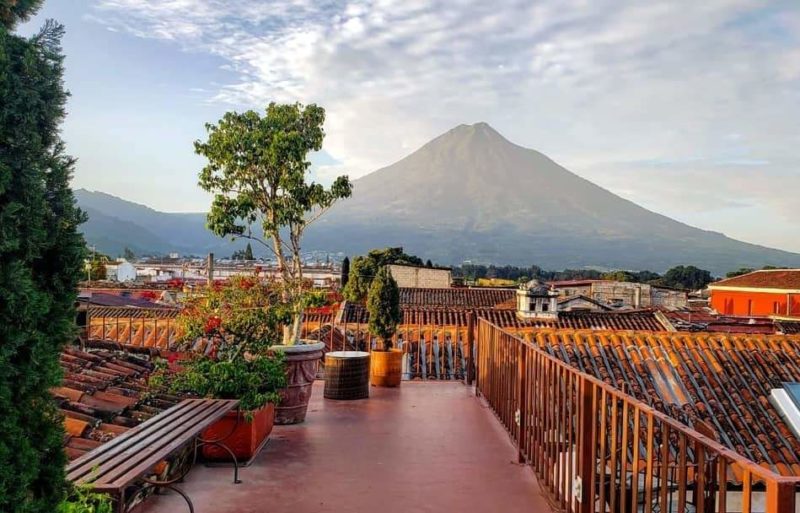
[606, 411]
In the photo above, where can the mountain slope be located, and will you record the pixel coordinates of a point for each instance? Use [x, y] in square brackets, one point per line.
[471, 194]
[115, 224]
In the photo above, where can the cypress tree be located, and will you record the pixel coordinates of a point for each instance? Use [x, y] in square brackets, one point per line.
[383, 304]
[345, 271]
[248, 252]
[41, 255]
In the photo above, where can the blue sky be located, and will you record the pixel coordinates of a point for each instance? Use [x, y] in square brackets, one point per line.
[691, 109]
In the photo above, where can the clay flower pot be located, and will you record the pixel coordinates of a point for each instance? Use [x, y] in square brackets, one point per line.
[302, 361]
[245, 438]
[386, 368]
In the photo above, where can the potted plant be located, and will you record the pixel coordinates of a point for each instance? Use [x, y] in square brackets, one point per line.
[256, 170]
[383, 304]
[238, 321]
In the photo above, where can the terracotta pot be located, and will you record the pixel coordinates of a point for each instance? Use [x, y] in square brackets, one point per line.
[302, 361]
[386, 368]
[245, 439]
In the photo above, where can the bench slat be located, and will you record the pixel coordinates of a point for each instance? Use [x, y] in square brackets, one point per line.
[119, 462]
[117, 444]
[110, 454]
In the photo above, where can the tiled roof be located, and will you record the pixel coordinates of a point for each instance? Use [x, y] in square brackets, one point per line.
[789, 327]
[122, 300]
[784, 279]
[722, 380]
[102, 395]
[457, 297]
[134, 312]
[703, 319]
[640, 320]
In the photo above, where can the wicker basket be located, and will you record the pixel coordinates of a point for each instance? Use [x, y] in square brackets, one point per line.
[346, 375]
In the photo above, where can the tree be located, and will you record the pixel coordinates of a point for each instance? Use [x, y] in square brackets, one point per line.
[41, 261]
[687, 277]
[256, 170]
[248, 252]
[365, 268]
[428, 263]
[128, 254]
[345, 271]
[383, 304]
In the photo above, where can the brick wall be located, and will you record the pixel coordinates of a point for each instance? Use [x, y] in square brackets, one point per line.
[421, 277]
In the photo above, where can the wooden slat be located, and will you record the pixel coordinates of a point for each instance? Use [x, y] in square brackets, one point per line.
[117, 463]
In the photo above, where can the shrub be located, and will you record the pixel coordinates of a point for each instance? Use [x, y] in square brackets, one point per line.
[383, 304]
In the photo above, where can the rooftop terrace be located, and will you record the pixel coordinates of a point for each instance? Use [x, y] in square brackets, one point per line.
[421, 447]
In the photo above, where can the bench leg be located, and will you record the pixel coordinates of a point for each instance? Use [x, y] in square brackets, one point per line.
[216, 443]
[220, 442]
[124, 506]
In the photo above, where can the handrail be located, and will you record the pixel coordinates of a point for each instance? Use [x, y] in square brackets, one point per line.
[582, 436]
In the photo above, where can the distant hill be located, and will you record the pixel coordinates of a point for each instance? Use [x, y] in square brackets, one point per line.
[469, 194]
[115, 224]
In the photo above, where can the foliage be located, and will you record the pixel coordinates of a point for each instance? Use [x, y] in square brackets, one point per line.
[14, 11]
[41, 261]
[365, 268]
[687, 277]
[241, 315]
[428, 263]
[83, 500]
[345, 271]
[748, 270]
[383, 304]
[96, 267]
[241, 319]
[256, 170]
[128, 254]
[253, 380]
[248, 252]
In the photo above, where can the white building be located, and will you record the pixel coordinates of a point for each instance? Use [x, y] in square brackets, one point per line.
[121, 271]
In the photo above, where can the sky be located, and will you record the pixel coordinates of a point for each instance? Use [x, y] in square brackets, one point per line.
[690, 109]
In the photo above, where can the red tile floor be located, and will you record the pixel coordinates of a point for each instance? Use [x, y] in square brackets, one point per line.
[424, 447]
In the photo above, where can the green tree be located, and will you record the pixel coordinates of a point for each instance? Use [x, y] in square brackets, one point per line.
[618, 276]
[248, 252]
[128, 254]
[687, 277]
[383, 304]
[256, 170]
[345, 271]
[365, 268]
[41, 259]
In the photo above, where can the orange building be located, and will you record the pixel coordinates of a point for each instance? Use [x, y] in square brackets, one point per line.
[769, 293]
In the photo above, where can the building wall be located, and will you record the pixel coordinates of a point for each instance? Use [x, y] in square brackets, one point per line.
[574, 290]
[421, 277]
[746, 303]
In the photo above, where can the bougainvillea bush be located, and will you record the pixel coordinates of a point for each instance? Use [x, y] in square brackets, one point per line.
[239, 319]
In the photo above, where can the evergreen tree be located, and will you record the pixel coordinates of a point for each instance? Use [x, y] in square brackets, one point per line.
[383, 304]
[345, 271]
[41, 257]
[248, 252]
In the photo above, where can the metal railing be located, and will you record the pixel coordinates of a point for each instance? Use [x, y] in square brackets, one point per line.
[597, 449]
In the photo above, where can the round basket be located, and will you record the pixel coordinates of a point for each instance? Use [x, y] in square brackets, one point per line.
[346, 375]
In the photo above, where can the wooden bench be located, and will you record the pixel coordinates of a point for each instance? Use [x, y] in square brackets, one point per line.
[127, 459]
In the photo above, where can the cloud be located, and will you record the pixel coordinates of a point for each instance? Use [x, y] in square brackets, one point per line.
[711, 89]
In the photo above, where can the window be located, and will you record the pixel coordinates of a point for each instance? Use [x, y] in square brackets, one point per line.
[545, 306]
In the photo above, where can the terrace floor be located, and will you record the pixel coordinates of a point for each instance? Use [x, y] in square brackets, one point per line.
[424, 447]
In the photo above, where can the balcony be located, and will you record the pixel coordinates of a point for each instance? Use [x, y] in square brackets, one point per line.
[427, 446]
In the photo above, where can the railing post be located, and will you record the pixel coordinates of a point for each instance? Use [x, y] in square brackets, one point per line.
[470, 347]
[780, 496]
[521, 394]
[586, 454]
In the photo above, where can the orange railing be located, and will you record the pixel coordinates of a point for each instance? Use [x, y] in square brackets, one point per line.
[597, 449]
